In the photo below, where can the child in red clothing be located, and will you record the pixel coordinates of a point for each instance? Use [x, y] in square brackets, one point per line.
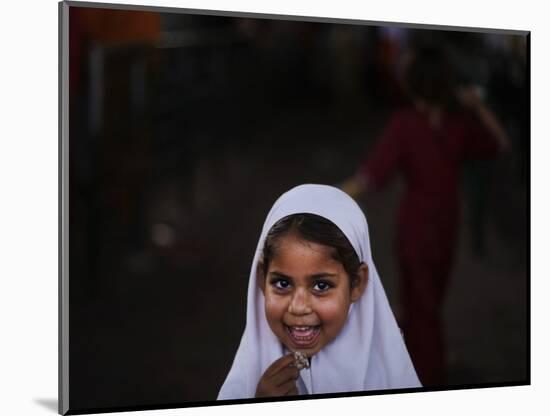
[428, 144]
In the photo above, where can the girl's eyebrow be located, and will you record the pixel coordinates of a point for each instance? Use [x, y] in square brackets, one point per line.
[322, 275]
[312, 277]
[281, 275]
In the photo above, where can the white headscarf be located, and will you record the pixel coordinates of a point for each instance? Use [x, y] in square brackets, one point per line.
[369, 352]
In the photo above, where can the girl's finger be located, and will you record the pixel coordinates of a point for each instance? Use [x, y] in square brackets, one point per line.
[288, 389]
[279, 364]
[284, 375]
[293, 392]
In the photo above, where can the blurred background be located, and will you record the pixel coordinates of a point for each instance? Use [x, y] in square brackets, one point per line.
[184, 129]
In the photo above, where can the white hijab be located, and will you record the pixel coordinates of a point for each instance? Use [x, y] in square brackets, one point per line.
[369, 352]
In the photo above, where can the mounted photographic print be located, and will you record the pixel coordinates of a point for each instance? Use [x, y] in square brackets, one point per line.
[267, 208]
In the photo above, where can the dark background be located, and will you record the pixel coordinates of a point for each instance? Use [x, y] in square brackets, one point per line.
[184, 129]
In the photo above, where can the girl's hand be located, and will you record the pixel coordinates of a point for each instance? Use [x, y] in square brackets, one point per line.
[469, 97]
[279, 379]
[355, 185]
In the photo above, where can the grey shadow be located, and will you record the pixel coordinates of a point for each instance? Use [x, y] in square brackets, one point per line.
[50, 404]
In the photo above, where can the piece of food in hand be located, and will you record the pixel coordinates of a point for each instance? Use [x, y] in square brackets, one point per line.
[300, 360]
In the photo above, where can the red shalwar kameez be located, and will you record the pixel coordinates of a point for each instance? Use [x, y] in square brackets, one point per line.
[430, 159]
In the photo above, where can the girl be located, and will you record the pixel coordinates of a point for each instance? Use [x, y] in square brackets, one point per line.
[428, 143]
[314, 289]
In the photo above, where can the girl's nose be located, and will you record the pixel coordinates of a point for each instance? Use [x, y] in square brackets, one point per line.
[300, 303]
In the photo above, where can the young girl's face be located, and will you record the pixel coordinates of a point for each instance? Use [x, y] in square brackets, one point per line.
[307, 294]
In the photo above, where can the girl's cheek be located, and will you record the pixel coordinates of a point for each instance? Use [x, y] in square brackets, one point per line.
[332, 310]
[274, 303]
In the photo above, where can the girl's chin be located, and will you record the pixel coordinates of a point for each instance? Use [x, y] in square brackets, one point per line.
[308, 352]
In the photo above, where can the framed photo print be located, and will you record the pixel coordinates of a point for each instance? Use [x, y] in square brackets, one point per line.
[273, 207]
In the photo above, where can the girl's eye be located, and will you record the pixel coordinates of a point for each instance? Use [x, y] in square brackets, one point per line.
[281, 283]
[322, 286]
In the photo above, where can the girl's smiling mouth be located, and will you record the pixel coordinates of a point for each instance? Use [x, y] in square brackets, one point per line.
[303, 336]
